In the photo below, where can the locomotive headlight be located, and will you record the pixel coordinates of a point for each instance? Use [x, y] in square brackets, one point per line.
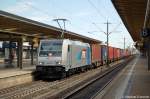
[58, 62]
[41, 63]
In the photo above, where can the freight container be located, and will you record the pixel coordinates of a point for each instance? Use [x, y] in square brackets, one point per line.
[103, 53]
[124, 53]
[115, 54]
[111, 53]
[118, 53]
[96, 54]
[121, 53]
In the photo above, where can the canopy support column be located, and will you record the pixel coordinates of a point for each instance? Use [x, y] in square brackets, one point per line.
[20, 51]
[32, 56]
[148, 52]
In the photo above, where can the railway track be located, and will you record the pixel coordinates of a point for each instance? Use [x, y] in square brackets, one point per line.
[27, 91]
[90, 90]
[59, 88]
[37, 88]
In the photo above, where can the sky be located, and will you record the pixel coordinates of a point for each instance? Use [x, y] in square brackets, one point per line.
[85, 17]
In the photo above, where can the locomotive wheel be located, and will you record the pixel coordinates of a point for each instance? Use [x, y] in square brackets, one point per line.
[63, 75]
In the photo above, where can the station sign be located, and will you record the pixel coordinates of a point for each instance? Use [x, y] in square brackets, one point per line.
[145, 32]
[8, 45]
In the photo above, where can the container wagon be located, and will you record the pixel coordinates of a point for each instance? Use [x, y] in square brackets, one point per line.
[115, 53]
[118, 53]
[121, 53]
[103, 54]
[111, 54]
[96, 55]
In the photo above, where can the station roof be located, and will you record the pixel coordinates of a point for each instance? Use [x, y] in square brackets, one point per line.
[132, 13]
[16, 25]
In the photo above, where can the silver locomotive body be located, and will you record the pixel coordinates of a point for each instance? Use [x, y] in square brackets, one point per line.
[59, 56]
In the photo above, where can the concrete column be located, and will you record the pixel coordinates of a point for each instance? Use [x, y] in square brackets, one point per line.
[17, 54]
[10, 52]
[20, 51]
[32, 56]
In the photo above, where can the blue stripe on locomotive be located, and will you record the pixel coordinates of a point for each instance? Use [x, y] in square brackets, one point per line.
[88, 56]
[78, 55]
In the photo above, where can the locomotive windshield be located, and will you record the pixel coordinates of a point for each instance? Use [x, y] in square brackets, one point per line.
[51, 48]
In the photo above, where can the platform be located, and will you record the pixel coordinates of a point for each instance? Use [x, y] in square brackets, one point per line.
[133, 82]
[15, 76]
[25, 63]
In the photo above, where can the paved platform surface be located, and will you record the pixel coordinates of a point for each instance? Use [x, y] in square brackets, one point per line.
[133, 82]
[25, 63]
[16, 71]
[15, 76]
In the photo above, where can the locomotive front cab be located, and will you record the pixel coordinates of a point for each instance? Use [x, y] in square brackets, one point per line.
[50, 57]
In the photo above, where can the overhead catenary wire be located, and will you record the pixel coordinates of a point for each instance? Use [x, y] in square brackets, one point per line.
[115, 28]
[69, 15]
[40, 10]
[49, 15]
[98, 28]
[46, 13]
[104, 7]
[110, 14]
[67, 12]
[98, 11]
[106, 17]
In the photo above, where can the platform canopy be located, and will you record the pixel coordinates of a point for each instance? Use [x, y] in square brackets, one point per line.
[11, 24]
[132, 13]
